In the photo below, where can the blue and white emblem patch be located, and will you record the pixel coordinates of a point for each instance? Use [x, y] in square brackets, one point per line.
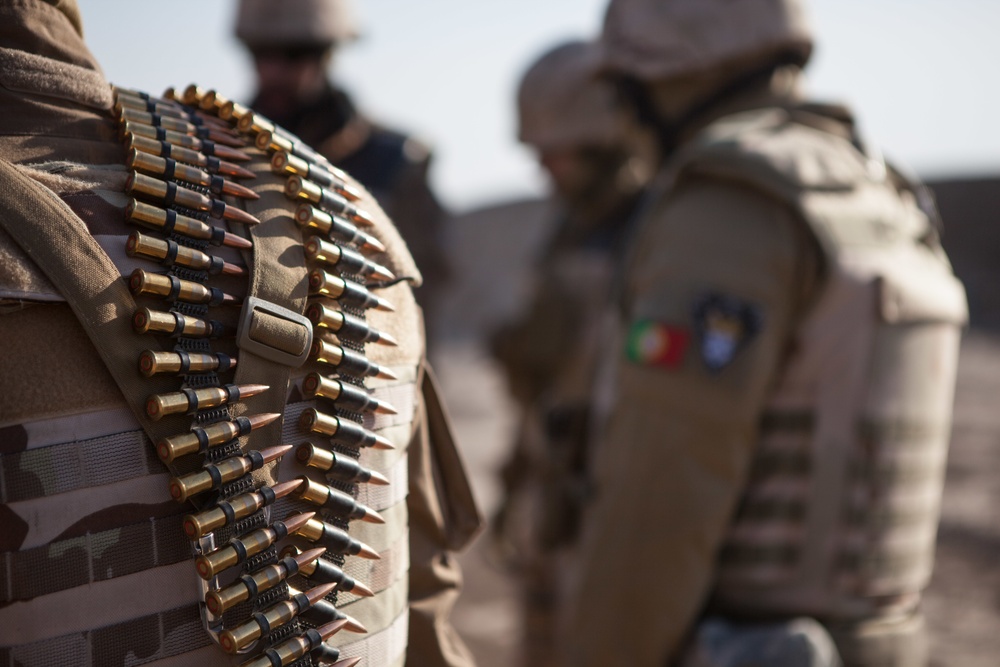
[724, 325]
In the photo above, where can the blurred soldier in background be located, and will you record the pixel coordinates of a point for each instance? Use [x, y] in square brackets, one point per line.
[591, 153]
[770, 466]
[108, 543]
[293, 43]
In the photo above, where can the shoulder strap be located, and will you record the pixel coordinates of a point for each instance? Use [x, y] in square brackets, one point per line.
[62, 246]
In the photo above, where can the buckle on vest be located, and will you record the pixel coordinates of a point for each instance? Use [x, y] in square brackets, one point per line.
[274, 332]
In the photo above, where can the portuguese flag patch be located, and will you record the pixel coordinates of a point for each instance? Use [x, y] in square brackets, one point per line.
[654, 344]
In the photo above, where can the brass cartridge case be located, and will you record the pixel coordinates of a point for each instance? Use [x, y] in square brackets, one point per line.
[297, 187]
[336, 465]
[146, 320]
[335, 227]
[153, 363]
[345, 259]
[143, 282]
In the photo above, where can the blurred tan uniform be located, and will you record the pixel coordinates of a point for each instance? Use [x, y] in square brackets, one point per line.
[550, 352]
[393, 166]
[96, 568]
[774, 448]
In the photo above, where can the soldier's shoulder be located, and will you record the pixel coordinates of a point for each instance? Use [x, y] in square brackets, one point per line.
[780, 151]
[401, 145]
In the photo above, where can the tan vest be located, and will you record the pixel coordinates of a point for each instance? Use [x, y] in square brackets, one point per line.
[839, 516]
[103, 568]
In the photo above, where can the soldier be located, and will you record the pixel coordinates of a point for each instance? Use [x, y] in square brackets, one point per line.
[292, 44]
[192, 466]
[592, 155]
[771, 460]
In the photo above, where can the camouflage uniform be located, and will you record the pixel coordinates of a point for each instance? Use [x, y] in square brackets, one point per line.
[98, 569]
[770, 466]
[550, 352]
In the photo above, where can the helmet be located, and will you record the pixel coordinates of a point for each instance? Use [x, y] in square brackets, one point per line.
[662, 39]
[561, 104]
[301, 23]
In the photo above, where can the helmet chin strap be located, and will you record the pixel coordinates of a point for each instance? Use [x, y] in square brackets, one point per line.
[670, 131]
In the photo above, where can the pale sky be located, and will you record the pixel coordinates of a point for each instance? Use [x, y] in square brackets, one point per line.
[920, 73]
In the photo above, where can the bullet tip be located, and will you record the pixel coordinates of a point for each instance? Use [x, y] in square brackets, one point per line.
[362, 591]
[330, 629]
[372, 243]
[354, 625]
[272, 453]
[382, 442]
[367, 552]
[378, 479]
[241, 191]
[371, 516]
[230, 153]
[284, 488]
[234, 241]
[233, 270]
[225, 138]
[296, 521]
[385, 305]
[386, 408]
[386, 374]
[240, 216]
[382, 273]
[386, 339]
[309, 555]
[319, 592]
[263, 419]
[236, 171]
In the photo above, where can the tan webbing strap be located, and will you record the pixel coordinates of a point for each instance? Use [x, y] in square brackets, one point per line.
[279, 276]
[62, 246]
[462, 519]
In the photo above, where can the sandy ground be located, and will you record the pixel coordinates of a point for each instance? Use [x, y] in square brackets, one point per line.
[963, 601]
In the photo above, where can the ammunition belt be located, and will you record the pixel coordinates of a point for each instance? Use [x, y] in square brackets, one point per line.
[185, 152]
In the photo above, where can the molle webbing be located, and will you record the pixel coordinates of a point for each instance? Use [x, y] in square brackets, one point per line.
[179, 199]
[840, 509]
[164, 635]
[89, 558]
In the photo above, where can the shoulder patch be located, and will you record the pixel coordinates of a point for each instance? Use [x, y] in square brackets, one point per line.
[656, 344]
[724, 324]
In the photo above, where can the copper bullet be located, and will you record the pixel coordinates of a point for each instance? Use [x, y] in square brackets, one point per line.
[165, 149]
[297, 187]
[172, 169]
[234, 509]
[168, 253]
[206, 146]
[169, 221]
[339, 466]
[237, 551]
[180, 402]
[181, 363]
[344, 394]
[263, 579]
[171, 193]
[346, 326]
[214, 475]
[201, 438]
[344, 259]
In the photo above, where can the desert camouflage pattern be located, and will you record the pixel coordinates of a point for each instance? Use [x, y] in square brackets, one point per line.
[98, 569]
